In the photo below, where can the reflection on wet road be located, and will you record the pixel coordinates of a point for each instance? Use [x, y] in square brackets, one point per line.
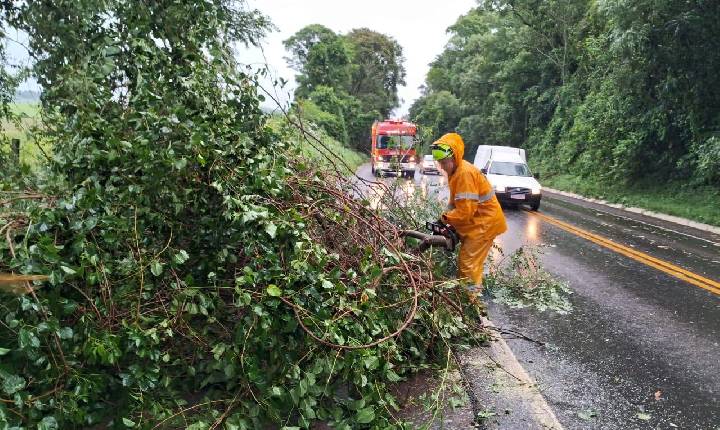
[640, 341]
[389, 190]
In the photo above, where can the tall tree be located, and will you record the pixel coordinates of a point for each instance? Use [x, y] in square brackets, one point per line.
[353, 76]
[321, 58]
[377, 69]
[630, 83]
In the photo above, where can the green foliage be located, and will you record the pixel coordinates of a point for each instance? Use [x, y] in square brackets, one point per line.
[352, 78]
[676, 198]
[377, 70]
[11, 118]
[326, 150]
[192, 252]
[23, 126]
[321, 57]
[524, 283]
[341, 115]
[608, 91]
[440, 112]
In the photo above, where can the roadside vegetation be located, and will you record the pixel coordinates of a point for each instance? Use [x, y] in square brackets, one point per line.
[614, 99]
[324, 150]
[346, 81]
[23, 120]
[696, 202]
[187, 266]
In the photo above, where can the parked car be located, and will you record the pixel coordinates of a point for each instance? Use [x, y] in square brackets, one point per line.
[507, 170]
[428, 166]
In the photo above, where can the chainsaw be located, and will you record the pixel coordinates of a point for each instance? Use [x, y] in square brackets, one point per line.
[441, 234]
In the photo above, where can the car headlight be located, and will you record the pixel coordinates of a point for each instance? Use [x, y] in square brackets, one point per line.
[499, 189]
[537, 190]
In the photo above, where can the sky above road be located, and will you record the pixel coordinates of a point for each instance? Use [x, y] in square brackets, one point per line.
[419, 26]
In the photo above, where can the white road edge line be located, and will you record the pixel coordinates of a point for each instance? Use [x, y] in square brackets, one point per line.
[664, 217]
[542, 411]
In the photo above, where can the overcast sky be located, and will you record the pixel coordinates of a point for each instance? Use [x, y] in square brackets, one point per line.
[419, 26]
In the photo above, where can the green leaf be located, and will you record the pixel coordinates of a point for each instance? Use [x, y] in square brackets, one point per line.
[274, 291]
[371, 363]
[180, 164]
[65, 333]
[588, 414]
[483, 416]
[365, 416]
[4, 351]
[643, 416]
[156, 268]
[392, 376]
[181, 256]
[48, 423]
[68, 270]
[12, 384]
[356, 405]
[27, 339]
[128, 422]
[271, 229]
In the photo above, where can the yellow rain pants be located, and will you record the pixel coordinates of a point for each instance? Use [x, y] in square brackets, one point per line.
[470, 263]
[474, 211]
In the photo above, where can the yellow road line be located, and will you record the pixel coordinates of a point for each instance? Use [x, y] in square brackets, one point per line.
[664, 266]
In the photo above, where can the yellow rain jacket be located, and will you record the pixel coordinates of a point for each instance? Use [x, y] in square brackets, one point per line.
[474, 211]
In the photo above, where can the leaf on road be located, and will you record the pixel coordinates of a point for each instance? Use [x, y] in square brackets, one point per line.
[587, 414]
[643, 416]
[483, 416]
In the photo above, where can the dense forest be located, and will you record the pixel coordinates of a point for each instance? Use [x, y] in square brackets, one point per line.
[621, 91]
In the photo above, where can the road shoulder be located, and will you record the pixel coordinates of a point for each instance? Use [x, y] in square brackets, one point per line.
[635, 210]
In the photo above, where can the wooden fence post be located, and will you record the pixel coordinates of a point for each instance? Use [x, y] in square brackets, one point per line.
[15, 144]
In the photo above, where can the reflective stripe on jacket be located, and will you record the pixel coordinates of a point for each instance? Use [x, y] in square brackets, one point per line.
[476, 212]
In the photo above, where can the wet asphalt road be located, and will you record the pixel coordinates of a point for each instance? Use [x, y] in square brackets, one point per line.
[641, 348]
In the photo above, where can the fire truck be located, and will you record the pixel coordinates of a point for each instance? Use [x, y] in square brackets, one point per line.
[393, 148]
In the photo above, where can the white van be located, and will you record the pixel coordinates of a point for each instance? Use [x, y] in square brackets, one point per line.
[507, 170]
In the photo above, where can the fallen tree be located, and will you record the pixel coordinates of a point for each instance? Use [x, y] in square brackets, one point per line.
[200, 274]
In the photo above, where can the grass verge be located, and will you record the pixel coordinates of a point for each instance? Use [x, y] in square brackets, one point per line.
[351, 158]
[700, 204]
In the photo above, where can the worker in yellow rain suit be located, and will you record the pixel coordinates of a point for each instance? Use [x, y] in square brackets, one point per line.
[473, 210]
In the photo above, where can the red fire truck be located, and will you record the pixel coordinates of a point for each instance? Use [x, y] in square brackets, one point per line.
[393, 148]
